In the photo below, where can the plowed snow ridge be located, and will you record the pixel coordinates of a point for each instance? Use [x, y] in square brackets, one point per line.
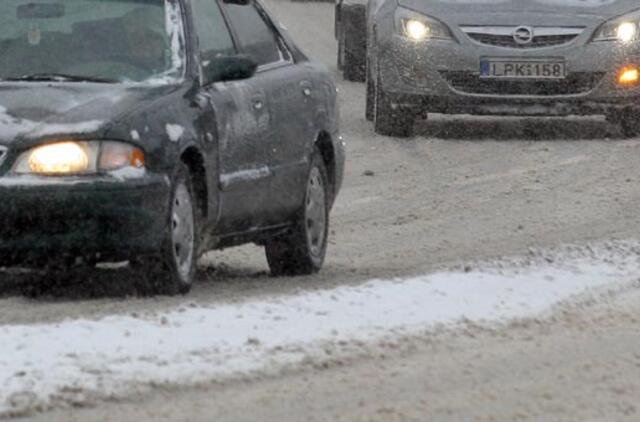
[41, 363]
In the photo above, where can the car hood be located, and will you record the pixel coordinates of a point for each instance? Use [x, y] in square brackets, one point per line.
[523, 12]
[35, 111]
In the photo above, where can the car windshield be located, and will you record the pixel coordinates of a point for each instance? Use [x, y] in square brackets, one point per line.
[108, 40]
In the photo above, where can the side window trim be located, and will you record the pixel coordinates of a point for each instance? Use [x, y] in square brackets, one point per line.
[230, 27]
[196, 35]
[282, 45]
[227, 22]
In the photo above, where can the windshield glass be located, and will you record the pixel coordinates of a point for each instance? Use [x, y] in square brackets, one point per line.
[119, 40]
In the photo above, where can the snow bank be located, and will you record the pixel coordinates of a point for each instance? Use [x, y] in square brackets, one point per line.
[41, 363]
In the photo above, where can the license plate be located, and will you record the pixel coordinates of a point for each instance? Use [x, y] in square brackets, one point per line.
[514, 69]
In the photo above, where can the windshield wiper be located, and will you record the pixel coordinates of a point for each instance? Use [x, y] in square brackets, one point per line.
[59, 77]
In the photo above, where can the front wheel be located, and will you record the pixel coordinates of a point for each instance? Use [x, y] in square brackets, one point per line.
[390, 119]
[171, 270]
[629, 120]
[301, 251]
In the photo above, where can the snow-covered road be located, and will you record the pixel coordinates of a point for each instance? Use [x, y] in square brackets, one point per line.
[73, 360]
[413, 214]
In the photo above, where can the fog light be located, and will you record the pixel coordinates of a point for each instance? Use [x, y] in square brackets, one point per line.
[629, 76]
[59, 158]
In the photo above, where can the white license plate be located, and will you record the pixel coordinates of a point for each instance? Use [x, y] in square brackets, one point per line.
[514, 69]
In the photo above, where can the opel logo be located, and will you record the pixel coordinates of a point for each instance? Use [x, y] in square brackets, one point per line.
[523, 35]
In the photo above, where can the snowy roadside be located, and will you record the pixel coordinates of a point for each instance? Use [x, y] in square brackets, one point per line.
[80, 360]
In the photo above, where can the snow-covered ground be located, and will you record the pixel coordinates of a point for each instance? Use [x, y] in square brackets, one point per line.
[75, 359]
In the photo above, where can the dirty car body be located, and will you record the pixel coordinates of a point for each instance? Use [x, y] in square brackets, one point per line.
[246, 135]
[502, 57]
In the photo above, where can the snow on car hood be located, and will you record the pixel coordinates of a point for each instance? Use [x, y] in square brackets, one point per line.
[32, 111]
[478, 9]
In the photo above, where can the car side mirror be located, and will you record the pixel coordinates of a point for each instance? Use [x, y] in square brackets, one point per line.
[229, 68]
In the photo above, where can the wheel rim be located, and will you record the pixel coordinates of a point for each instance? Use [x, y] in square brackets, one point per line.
[182, 231]
[316, 212]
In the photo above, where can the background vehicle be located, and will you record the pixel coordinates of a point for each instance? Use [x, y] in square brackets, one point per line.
[350, 31]
[502, 58]
[218, 132]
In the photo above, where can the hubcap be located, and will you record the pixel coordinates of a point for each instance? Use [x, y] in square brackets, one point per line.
[182, 231]
[316, 212]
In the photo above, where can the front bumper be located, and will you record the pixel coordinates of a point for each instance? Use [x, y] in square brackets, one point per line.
[444, 77]
[100, 217]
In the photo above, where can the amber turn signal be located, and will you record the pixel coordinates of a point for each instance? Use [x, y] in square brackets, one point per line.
[629, 76]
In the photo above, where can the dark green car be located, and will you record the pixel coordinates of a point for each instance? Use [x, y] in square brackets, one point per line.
[155, 130]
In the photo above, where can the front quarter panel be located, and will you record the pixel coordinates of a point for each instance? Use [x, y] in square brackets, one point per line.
[163, 128]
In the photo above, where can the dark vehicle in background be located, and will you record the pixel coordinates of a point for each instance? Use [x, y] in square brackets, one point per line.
[508, 57]
[350, 31]
[155, 130]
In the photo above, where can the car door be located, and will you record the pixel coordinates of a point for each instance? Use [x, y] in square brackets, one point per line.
[238, 110]
[289, 102]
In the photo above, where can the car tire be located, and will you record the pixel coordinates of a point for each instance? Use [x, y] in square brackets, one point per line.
[370, 98]
[388, 120]
[171, 271]
[351, 55]
[629, 121]
[302, 249]
[340, 37]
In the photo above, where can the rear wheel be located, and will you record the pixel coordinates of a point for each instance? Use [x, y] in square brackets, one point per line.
[301, 251]
[371, 97]
[171, 270]
[351, 52]
[340, 48]
[390, 119]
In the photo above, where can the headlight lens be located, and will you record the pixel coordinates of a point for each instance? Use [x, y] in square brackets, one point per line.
[71, 157]
[63, 157]
[416, 30]
[417, 27]
[625, 29]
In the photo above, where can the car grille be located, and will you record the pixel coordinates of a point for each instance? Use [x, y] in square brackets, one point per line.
[504, 36]
[575, 83]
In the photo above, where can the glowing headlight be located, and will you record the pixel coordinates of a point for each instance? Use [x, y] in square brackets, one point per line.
[416, 30]
[624, 32]
[70, 157]
[627, 31]
[418, 27]
[63, 157]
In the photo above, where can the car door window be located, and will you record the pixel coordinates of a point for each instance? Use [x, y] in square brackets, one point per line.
[213, 34]
[255, 35]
